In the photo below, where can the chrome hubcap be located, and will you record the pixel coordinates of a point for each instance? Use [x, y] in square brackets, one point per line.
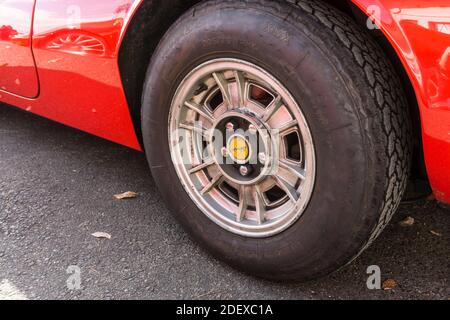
[241, 147]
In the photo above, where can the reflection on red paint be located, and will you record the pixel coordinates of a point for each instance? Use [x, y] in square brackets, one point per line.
[7, 33]
[428, 31]
[77, 42]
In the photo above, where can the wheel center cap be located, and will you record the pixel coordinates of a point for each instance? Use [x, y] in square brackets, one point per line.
[241, 138]
[239, 149]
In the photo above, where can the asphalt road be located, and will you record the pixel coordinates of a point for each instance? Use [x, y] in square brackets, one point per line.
[56, 189]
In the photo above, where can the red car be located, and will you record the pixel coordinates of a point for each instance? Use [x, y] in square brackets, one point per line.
[282, 134]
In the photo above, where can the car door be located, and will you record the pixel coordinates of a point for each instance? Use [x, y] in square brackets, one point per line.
[18, 74]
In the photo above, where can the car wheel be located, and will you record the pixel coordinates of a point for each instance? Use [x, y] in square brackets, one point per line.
[331, 158]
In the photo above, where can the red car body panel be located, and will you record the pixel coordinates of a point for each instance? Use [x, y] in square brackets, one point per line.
[76, 43]
[76, 46]
[17, 68]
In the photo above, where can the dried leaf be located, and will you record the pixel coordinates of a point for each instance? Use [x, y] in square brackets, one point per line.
[126, 195]
[407, 222]
[437, 234]
[102, 235]
[389, 284]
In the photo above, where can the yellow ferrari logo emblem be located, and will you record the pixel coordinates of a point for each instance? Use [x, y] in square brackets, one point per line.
[238, 148]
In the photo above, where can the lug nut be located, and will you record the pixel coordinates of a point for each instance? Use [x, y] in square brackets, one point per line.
[243, 170]
[252, 129]
[224, 152]
[229, 126]
[262, 157]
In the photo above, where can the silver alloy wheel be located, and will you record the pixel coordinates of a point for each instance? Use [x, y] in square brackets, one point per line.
[258, 181]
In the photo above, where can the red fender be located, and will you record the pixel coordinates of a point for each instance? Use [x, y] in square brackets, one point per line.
[419, 31]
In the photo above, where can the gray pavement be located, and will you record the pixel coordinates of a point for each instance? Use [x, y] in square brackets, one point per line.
[56, 189]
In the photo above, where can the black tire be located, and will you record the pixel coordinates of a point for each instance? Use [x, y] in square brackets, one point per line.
[356, 111]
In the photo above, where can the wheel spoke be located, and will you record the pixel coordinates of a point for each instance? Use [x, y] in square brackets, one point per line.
[288, 188]
[274, 106]
[223, 86]
[287, 126]
[205, 113]
[207, 163]
[241, 84]
[294, 168]
[199, 130]
[212, 184]
[260, 205]
[242, 209]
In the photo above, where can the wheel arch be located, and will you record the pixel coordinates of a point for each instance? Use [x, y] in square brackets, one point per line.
[149, 24]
